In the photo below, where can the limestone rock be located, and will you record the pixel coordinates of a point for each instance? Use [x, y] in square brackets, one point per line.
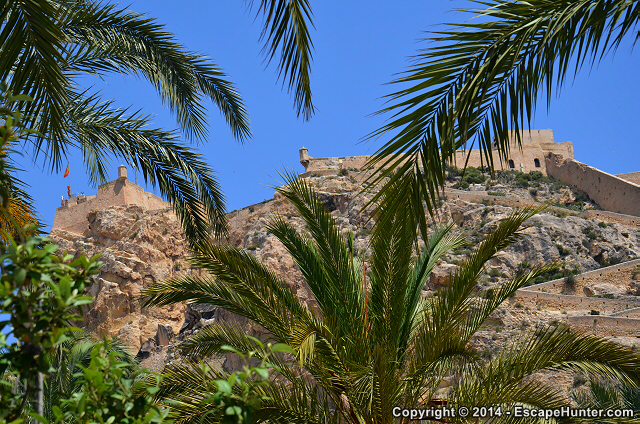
[441, 275]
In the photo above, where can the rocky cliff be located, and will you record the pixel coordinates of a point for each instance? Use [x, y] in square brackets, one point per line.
[140, 246]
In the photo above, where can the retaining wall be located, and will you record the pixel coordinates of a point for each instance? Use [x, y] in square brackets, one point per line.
[575, 303]
[610, 274]
[611, 326]
[629, 313]
[629, 220]
[611, 192]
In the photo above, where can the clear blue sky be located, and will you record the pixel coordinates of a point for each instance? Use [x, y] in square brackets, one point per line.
[359, 46]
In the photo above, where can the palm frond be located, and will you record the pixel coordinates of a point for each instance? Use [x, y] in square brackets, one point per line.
[115, 40]
[324, 259]
[32, 60]
[505, 380]
[479, 80]
[287, 25]
[178, 171]
[443, 330]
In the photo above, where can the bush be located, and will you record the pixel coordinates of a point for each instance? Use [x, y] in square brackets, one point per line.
[563, 251]
[570, 281]
[343, 172]
[536, 175]
[533, 192]
[594, 312]
[495, 193]
[494, 272]
[602, 224]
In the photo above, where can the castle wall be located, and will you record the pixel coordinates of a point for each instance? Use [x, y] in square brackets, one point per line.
[611, 192]
[633, 177]
[610, 326]
[73, 216]
[528, 157]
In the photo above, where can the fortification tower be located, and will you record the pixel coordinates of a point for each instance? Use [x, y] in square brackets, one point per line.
[72, 216]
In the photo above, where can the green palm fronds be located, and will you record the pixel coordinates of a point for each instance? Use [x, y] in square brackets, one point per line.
[480, 79]
[373, 342]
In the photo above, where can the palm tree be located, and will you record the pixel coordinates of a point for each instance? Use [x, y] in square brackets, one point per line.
[373, 342]
[47, 43]
[609, 395]
[478, 80]
[69, 359]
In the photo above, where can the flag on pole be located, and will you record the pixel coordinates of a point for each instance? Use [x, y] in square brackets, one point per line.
[69, 190]
[66, 173]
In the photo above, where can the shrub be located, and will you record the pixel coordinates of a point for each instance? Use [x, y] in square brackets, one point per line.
[519, 305]
[536, 175]
[253, 247]
[343, 172]
[602, 224]
[570, 281]
[495, 193]
[563, 250]
[494, 272]
[594, 312]
[533, 192]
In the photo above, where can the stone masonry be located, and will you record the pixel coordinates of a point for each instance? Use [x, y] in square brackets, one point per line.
[72, 217]
[528, 157]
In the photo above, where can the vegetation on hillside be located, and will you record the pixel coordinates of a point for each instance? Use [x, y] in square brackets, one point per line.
[373, 342]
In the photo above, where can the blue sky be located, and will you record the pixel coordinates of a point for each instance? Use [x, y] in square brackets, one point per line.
[359, 46]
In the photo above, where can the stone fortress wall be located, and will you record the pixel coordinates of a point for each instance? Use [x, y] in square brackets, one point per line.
[72, 216]
[539, 152]
[535, 144]
[609, 191]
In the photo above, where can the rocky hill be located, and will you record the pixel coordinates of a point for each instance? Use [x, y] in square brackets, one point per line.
[140, 246]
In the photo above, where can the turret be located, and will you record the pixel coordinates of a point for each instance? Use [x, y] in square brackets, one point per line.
[304, 157]
[122, 173]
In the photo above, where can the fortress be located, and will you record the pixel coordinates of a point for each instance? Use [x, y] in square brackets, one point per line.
[539, 152]
[72, 216]
[619, 194]
[535, 145]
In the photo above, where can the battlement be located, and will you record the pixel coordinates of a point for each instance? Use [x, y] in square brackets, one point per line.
[529, 157]
[72, 216]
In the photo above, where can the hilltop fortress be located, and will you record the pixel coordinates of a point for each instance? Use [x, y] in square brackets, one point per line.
[535, 145]
[141, 242]
[539, 152]
[72, 216]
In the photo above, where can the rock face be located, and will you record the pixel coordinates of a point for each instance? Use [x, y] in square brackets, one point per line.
[137, 247]
[140, 247]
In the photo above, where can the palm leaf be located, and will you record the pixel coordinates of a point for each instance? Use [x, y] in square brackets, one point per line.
[287, 24]
[479, 80]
